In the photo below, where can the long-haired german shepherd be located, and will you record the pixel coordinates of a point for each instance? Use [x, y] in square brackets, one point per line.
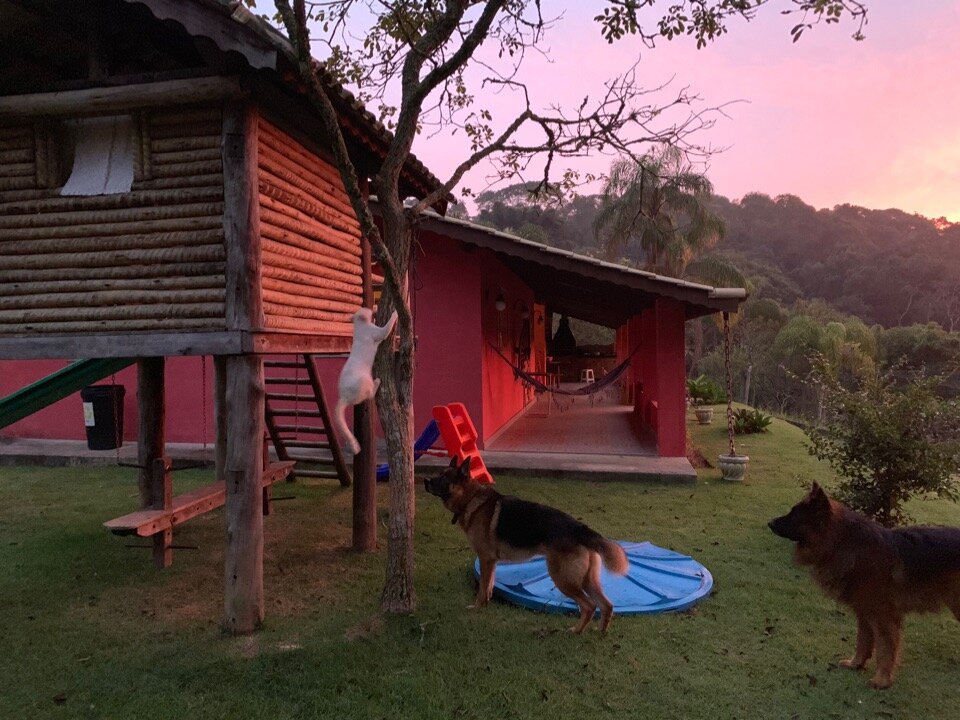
[500, 527]
[881, 574]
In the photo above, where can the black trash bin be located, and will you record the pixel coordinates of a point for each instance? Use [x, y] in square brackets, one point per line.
[103, 416]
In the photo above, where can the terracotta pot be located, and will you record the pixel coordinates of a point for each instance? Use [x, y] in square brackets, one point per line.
[733, 467]
[704, 415]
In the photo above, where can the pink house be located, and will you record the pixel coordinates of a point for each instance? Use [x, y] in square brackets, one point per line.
[475, 291]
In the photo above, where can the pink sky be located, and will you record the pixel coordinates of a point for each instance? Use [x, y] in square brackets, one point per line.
[874, 123]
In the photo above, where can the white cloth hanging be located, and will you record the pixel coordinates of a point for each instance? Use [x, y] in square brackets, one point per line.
[103, 157]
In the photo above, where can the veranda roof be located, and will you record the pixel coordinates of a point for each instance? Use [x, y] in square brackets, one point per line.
[581, 286]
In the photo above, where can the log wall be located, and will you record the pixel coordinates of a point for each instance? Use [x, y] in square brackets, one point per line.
[310, 239]
[150, 259]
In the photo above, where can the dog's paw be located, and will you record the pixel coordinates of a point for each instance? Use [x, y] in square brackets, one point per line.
[881, 681]
[852, 664]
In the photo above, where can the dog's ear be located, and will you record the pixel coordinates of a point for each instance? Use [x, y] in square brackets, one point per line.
[818, 497]
[465, 467]
[453, 462]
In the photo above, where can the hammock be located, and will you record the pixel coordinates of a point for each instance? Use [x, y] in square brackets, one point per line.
[590, 389]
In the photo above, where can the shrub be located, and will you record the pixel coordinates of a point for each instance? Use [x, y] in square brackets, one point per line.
[704, 391]
[746, 421]
[888, 441]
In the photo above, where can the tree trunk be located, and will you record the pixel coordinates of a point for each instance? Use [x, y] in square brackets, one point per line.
[697, 345]
[746, 385]
[395, 405]
[398, 595]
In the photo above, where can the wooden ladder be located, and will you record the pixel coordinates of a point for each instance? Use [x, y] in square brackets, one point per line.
[298, 419]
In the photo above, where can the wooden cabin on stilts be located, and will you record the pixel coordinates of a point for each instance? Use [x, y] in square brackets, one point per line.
[165, 190]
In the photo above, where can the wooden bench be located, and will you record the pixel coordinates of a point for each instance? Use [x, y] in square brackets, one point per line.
[146, 523]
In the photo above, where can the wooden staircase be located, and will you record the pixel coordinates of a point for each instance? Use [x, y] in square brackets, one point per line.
[298, 419]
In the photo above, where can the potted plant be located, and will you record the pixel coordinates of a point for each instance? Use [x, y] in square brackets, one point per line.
[704, 414]
[701, 392]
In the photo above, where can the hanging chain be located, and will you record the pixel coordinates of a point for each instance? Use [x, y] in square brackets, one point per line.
[726, 361]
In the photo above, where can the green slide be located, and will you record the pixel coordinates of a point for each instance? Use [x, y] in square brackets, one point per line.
[57, 386]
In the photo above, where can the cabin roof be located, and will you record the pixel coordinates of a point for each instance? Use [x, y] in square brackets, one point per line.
[581, 286]
[55, 30]
[234, 28]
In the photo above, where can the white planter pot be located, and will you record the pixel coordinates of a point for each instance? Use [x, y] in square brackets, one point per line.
[704, 415]
[733, 467]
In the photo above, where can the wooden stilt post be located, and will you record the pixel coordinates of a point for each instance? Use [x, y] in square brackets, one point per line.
[162, 500]
[155, 482]
[243, 602]
[365, 462]
[220, 414]
[243, 387]
[268, 488]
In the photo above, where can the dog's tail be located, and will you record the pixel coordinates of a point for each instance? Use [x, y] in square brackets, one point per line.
[614, 558]
[340, 422]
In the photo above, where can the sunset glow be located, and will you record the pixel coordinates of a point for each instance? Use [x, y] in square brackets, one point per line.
[831, 120]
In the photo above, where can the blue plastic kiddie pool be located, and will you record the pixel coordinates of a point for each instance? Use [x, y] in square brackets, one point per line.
[658, 580]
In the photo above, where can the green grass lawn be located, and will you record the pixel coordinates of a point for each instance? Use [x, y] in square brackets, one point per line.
[90, 629]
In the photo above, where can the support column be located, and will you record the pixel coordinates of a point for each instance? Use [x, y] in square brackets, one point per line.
[243, 470]
[154, 479]
[668, 320]
[220, 415]
[365, 462]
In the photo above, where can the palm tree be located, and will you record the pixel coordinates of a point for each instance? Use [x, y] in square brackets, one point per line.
[660, 202]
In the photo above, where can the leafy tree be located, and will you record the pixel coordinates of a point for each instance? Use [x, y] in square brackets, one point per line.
[888, 441]
[661, 203]
[414, 61]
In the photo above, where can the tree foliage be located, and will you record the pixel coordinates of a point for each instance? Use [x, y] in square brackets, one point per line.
[659, 202]
[888, 440]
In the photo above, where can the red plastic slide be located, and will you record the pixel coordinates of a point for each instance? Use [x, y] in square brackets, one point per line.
[460, 437]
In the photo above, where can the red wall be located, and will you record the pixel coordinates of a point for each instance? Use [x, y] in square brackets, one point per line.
[445, 294]
[445, 300]
[659, 365]
[64, 419]
[503, 395]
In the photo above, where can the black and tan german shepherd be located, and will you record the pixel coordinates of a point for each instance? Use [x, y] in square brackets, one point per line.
[881, 574]
[501, 527]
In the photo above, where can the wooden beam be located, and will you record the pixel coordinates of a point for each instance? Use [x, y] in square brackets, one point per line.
[162, 501]
[103, 100]
[267, 491]
[220, 415]
[173, 343]
[152, 410]
[155, 482]
[241, 218]
[105, 345]
[243, 558]
[271, 343]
